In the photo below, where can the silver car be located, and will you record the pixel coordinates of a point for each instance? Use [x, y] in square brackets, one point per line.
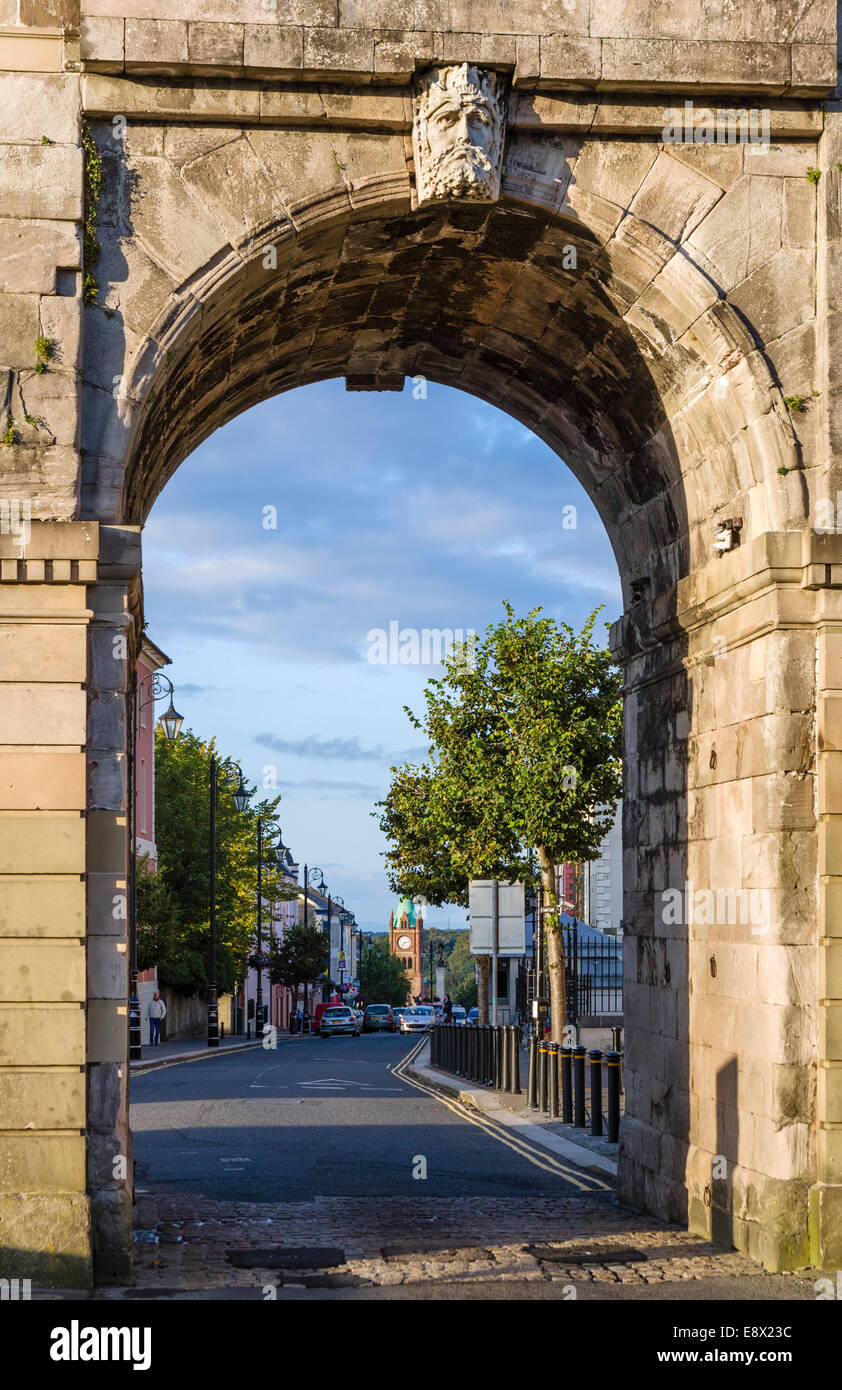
[339, 1019]
[419, 1019]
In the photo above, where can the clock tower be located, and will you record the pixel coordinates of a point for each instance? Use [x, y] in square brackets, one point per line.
[406, 941]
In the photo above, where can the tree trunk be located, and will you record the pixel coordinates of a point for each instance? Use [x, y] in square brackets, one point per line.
[483, 971]
[556, 965]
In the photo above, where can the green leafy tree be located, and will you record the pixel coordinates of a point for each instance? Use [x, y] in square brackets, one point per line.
[301, 957]
[524, 763]
[461, 970]
[383, 978]
[173, 905]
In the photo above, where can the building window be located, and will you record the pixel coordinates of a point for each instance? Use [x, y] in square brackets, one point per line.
[143, 795]
[502, 980]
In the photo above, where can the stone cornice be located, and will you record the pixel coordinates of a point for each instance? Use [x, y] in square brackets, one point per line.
[765, 584]
[535, 60]
[331, 106]
[50, 552]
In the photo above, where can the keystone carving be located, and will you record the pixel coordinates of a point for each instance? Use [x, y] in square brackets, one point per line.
[457, 133]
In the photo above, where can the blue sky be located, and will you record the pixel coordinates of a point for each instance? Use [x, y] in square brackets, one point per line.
[426, 512]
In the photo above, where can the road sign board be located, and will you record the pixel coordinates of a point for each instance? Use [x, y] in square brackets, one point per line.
[511, 917]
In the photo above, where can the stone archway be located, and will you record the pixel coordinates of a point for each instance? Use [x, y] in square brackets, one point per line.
[249, 246]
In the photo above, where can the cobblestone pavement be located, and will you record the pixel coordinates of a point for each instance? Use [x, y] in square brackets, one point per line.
[186, 1243]
[251, 1183]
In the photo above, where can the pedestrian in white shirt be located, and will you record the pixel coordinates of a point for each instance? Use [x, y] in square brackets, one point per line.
[156, 1011]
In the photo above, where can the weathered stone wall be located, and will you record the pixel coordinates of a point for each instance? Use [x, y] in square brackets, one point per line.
[260, 234]
[187, 1014]
[777, 47]
[45, 1210]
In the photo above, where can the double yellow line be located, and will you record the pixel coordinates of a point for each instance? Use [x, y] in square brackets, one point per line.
[532, 1152]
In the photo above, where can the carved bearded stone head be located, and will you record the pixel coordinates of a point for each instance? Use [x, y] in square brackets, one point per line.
[457, 133]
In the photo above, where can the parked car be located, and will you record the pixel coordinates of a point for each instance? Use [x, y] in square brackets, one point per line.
[339, 1018]
[418, 1019]
[473, 1017]
[378, 1018]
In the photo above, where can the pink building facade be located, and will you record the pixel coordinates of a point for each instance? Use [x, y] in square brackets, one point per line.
[150, 660]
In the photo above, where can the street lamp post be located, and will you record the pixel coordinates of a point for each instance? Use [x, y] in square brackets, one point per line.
[340, 903]
[171, 723]
[258, 960]
[369, 937]
[258, 1022]
[213, 1007]
[439, 961]
[308, 874]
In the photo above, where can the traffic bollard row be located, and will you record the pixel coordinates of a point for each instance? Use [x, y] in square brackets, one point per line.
[559, 1078]
[486, 1054]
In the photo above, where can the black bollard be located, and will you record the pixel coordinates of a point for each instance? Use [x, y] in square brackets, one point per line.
[579, 1054]
[532, 1080]
[505, 1056]
[612, 1077]
[542, 1076]
[567, 1085]
[552, 1068]
[514, 1059]
[596, 1091]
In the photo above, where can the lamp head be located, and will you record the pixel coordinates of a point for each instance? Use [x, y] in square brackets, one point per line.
[241, 794]
[171, 722]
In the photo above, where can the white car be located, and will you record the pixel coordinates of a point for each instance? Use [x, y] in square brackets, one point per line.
[418, 1019]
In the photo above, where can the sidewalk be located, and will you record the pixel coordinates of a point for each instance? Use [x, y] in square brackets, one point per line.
[512, 1112]
[194, 1048]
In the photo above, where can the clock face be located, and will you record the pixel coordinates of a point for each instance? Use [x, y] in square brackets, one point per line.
[404, 943]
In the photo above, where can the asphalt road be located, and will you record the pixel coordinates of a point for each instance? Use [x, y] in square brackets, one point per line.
[317, 1118]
